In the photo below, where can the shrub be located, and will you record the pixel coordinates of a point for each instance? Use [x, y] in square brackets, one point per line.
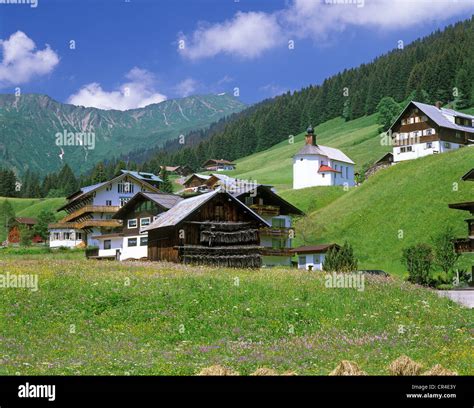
[445, 255]
[419, 261]
[340, 260]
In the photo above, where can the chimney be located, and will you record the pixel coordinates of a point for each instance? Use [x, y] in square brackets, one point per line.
[310, 137]
[438, 104]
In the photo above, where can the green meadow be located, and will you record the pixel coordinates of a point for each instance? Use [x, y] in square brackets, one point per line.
[101, 318]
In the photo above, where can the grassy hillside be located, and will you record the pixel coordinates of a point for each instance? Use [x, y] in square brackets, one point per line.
[175, 320]
[31, 207]
[410, 197]
[358, 139]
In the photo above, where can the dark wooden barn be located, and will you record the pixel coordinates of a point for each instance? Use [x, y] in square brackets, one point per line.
[211, 229]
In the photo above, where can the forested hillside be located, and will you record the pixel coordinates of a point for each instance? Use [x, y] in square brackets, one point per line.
[437, 67]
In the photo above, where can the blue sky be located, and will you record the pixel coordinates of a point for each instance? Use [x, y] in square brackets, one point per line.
[127, 53]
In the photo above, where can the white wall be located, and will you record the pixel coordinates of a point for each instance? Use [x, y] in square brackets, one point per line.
[316, 260]
[69, 243]
[305, 172]
[102, 195]
[421, 150]
[116, 243]
[137, 252]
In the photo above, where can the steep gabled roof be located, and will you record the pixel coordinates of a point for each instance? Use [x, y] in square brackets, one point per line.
[329, 152]
[439, 116]
[26, 220]
[187, 207]
[314, 249]
[86, 191]
[164, 200]
[140, 175]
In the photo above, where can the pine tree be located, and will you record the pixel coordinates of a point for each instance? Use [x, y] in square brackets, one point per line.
[166, 185]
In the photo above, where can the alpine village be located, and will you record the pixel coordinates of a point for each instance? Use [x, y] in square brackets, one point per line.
[232, 243]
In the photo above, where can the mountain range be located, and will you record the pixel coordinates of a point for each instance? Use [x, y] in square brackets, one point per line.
[40, 134]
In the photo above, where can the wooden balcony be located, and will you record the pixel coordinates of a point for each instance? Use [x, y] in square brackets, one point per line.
[277, 232]
[90, 209]
[87, 224]
[265, 209]
[267, 251]
[464, 245]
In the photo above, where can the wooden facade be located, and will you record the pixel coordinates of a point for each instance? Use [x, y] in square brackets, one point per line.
[422, 123]
[220, 231]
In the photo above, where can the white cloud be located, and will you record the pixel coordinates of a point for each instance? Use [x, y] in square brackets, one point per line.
[187, 87]
[138, 92]
[22, 62]
[250, 34]
[247, 35]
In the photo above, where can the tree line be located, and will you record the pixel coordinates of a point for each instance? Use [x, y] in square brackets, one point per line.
[439, 67]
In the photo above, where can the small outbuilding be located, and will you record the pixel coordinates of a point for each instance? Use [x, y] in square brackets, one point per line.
[311, 257]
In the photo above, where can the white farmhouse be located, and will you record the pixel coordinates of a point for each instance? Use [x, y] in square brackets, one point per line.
[421, 130]
[316, 165]
[90, 210]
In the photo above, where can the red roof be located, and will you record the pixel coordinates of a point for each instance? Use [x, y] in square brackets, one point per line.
[323, 168]
[26, 220]
[314, 249]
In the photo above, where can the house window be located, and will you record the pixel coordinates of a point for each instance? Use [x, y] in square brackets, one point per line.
[126, 187]
[248, 200]
[417, 119]
[404, 121]
[79, 236]
[143, 241]
[316, 259]
[67, 235]
[429, 145]
[403, 149]
[132, 242]
[458, 135]
[429, 132]
[107, 244]
[424, 118]
[109, 187]
[409, 149]
[447, 145]
[108, 203]
[56, 236]
[302, 260]
[124, 200]
[132, 223]
[144, 221]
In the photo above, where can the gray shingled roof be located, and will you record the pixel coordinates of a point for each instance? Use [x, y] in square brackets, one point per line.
[165, 200]
[186, 207]
[440, 116]
[329, 152]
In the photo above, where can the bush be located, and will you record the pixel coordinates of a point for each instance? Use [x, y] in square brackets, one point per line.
[419, 262]
[340, 259]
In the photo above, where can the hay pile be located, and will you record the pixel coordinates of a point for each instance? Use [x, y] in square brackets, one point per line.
[346, 367]
[263, 371]
[404, 365]
[438, 369]
[217, 370]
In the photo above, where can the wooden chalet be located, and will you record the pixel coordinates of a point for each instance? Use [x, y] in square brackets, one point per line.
[218, 165]
[16, 226]
[195, 180]
[90, 210]
[212, 229]
[423, 129]
[180, 170]
[466, 245]
[276, 239]
[385, 161]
